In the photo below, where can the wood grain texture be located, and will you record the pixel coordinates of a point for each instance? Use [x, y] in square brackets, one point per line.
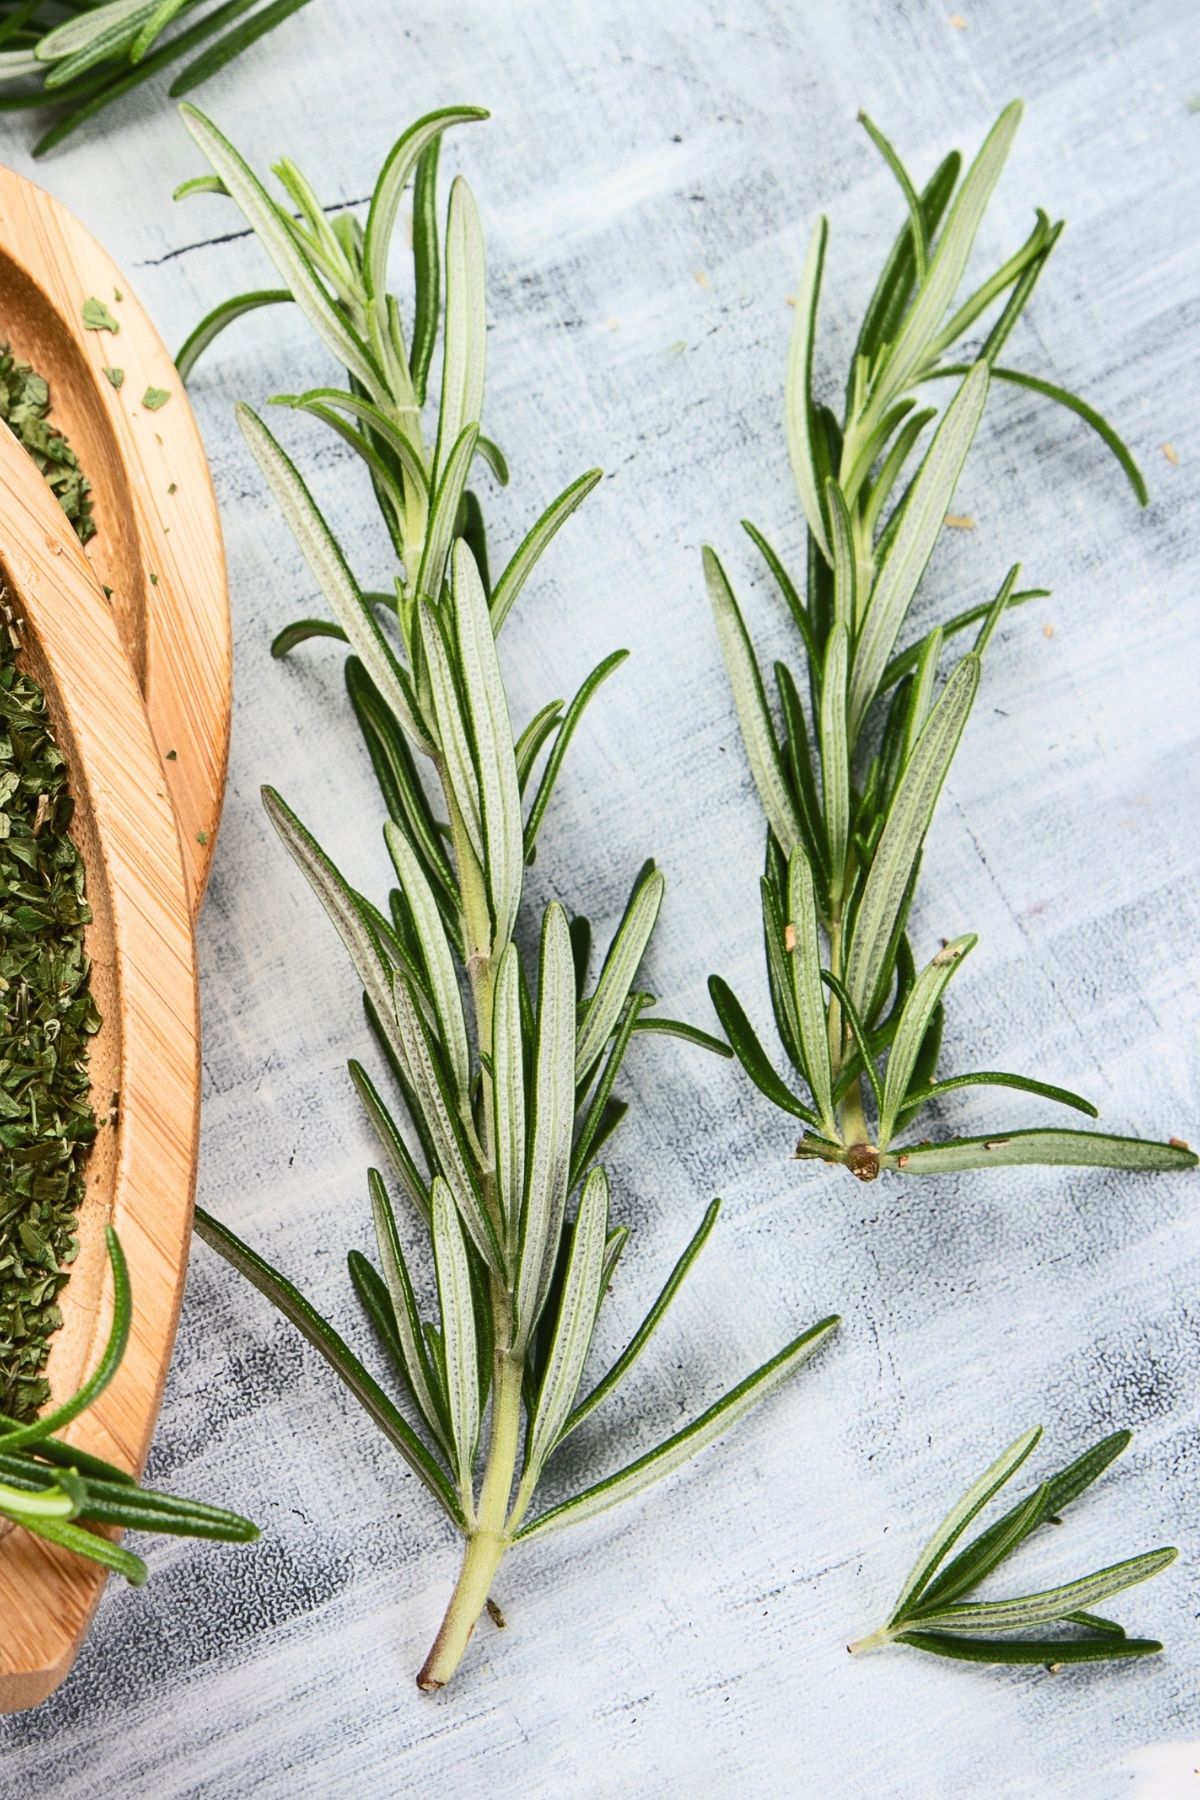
[158, 536]
[693, 1643]
[144, 1059]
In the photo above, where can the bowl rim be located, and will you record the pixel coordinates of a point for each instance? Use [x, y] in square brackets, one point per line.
[165, 556]
[141, 1174]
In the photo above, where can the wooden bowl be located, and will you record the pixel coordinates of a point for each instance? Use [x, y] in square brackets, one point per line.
[140, 1173]
[158, 537]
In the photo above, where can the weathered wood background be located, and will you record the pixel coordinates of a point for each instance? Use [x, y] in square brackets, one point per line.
[647, 185]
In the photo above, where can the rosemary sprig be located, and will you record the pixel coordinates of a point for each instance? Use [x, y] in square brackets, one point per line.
[935, 1614]
[510, 1096]
[850, 790]
[55, 1490]
[102, 49]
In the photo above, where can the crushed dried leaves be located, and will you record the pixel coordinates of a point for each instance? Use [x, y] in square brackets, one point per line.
[47, 1017]
[25, 406]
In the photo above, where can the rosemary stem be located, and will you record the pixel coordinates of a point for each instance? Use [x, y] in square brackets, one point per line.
[489, 1540]
[875, 1641]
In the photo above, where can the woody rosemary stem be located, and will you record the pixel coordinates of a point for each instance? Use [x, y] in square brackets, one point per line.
[488, 1541]
[487, 1538]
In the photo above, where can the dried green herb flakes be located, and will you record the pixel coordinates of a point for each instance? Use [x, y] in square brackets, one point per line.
[47, 1016]
[24, 406]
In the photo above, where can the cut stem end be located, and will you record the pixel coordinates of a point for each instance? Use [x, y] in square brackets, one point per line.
[481, 1559]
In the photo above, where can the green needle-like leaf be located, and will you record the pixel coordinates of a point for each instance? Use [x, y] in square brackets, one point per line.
[573, 1327]
[996, 1078]
[1073, 403]
[337, 1354]
[398, 170]
[436, 959]
[801, 413]
[805, 959]
[950, 259]
[226, 49]
[601, 1012]
[1049, 1652]
[406, 1324]
[281, 246]
[923, 1000]
[751, 702]
[211, 327]
[835, 749]
[465, 353]
[458, 1335]
[508, 1095]
[959, 1517]
[529, 551]
[1050, 1148]
[1049, 1604]
[932, 1613]
[300, 631]
[908, 820]
[553, 1116]
[89, 1546]
[118, 1337]
[439, 1109]
[750, 1053]
[924, 514]
[324, 557]
[685, 1444]
[920, 237]
[567, 728]
[350, 919]
[645, 1331]
[492, 741]
[444, 516]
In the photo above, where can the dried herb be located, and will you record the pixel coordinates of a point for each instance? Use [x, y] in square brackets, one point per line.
[96, 317]
[935, 1614]
[116, 376]
[491, 1277]
[87, 61]
[25, 409]
[850, 790]
[55, 1490]
[154, 398]
[47, 1017]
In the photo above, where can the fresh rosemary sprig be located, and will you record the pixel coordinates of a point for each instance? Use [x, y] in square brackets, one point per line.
[511, 1097]
[54, 1489]
[102, 49]
[846, 819]
[933, 1612]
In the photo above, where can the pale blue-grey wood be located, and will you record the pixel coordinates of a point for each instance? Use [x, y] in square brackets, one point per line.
[647, 188]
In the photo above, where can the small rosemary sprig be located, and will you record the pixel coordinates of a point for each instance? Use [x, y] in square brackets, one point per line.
[103, 49]
[935, 1614]
[55, 1490]
[846, 821]
[510, 1096]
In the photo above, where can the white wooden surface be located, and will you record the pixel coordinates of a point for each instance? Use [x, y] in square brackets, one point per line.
[647, 185]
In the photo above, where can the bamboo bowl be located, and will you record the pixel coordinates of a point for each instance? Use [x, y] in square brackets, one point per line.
[158, 537]
[140, 1172]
